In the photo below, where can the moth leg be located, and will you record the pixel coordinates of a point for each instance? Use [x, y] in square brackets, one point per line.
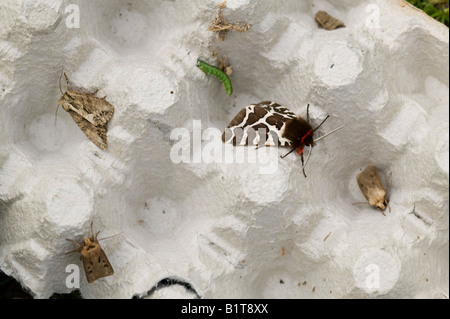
[72, 251]
[303, 165]
[283, 156]
[387, 204]
[76, 249]
[307, 159]
[60, 90]
[74, 242]
[95, 92]
[381, 211]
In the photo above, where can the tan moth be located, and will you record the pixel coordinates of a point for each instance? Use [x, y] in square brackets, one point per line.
[96, 264]
[370, 184]
[91, 113]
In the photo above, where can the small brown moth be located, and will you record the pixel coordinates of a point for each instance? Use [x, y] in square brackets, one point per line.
[370, 184]
[328, 22]
[96, 264]
[89, 112]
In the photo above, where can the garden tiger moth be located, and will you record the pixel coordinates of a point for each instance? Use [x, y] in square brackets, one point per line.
[275, 121]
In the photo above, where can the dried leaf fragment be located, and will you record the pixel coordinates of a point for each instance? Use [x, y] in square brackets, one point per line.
[326, 237]
[222, 27]
[228, 69]
[328, 22]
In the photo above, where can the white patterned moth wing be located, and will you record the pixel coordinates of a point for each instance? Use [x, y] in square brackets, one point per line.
[265, 120]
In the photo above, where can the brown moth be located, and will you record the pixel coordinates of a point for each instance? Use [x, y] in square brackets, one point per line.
[328, 22]
[370, 184]
[96, 264]
[91, 113]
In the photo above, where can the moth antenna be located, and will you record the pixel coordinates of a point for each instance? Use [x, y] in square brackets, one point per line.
[110, 236]
[60, 90]
[307, 113]
[62, 71]
[92, 229]
[67, 81]
[56, 113]
[321, 123]
[323, 136]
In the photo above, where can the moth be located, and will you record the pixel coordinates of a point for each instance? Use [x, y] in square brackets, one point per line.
[91, 113]
[218, 73]
[273, 120]
[328, 22]
[370, 184]
[96, 264]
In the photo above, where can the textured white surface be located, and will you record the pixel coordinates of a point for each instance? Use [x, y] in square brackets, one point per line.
[223, 227]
